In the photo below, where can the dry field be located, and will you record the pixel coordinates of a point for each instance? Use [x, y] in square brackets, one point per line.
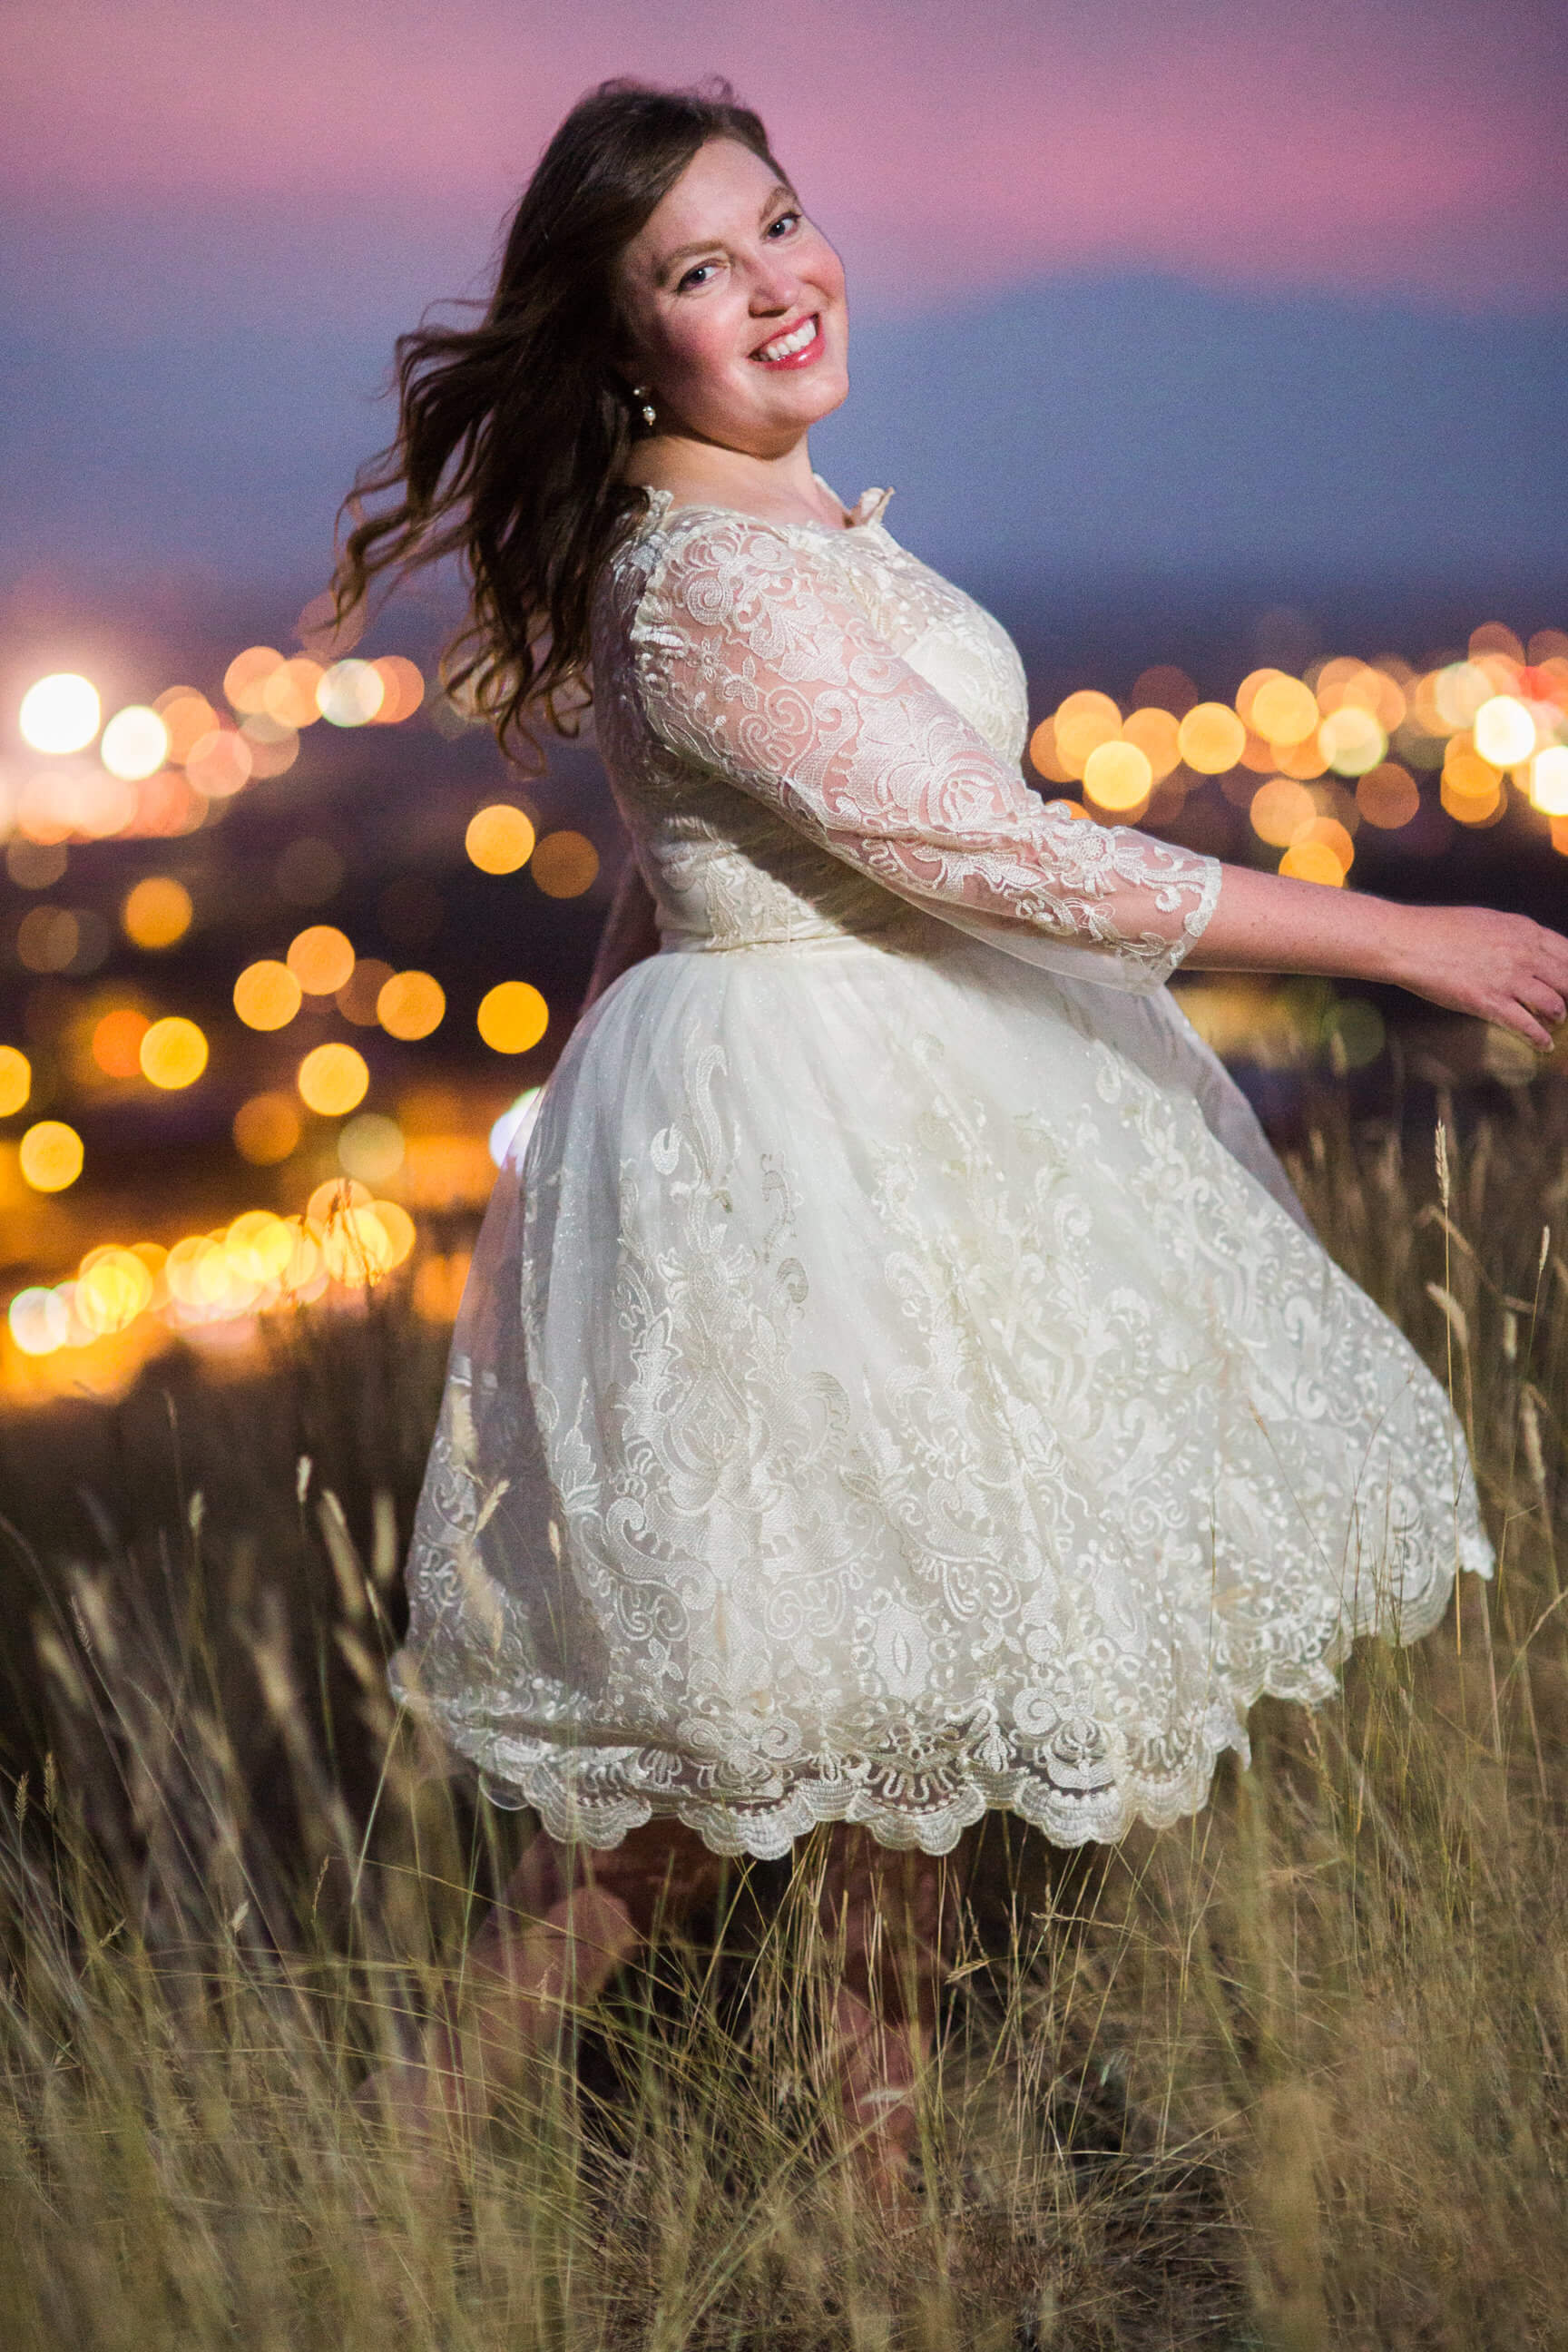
[1292, 2076]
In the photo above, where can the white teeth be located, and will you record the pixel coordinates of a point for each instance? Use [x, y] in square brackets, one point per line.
[788, 345]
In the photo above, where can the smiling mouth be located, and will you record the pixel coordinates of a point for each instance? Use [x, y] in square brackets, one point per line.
[798, 348]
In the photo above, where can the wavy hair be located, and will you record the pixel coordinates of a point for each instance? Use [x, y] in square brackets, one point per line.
[512, 434]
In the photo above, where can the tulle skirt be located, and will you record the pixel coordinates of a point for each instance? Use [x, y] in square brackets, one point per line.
[894, 1382]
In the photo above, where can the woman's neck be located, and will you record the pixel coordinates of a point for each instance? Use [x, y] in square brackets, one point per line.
[698, 473]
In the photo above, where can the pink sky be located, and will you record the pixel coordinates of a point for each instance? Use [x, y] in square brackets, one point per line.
[1394, 146]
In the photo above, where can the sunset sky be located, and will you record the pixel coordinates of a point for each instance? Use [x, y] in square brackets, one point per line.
[218, 215]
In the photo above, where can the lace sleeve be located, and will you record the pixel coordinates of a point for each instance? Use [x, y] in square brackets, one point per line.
[754, 664]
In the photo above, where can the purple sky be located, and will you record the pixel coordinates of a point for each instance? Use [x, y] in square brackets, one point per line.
[218, 215]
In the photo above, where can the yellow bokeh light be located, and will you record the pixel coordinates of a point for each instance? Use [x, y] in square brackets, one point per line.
[332, 1079]
[355, 1248]
[187, 716]
[1211, 738]
[1284, 710]
[565, 865]
[173, 1053]
[1155, 732]
[1504, 731]
[267, 995]
[60, 713]
[1312, 861]
[265, 1129]
[1304, 761]
[1082, 722]
[514, 1017]
[350, 693]
[1351, 739]
[157, 913]
[1046, 760]
[117, 1042]
[1548, 780]
[1280, 809]
[334, 1198]
[499, 839]
[1329, 834]
[371, 1147]
[50, 1156]
[15, 1080]
[321, 959]
[1118, 776]
[398, 1226]
[245, 680]
[1471, 788]
[259, 1245]
[112, 1287]
[411, 1004]
[1246, 692]
[290, 691]
[135, 743]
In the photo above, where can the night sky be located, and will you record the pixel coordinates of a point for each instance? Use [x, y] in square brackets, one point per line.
[1155, 302]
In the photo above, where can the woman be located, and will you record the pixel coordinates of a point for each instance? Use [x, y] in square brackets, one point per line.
[897, 1378]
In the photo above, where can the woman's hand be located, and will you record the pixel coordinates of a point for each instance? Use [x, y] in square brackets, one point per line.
[1503, 968]
[1473, 960]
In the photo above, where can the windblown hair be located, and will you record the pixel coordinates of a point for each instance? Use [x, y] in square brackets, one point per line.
[512, 434]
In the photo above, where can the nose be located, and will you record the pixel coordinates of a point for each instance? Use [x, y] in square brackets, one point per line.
[775, 285]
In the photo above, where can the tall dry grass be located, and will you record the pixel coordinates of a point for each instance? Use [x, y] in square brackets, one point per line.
[1292, 2075]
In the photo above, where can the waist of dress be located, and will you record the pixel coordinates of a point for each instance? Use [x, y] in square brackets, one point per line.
[898, 932]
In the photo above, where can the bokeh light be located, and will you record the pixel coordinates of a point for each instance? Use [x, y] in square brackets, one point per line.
[1504, 731]
[39, 1321]
[1548, 780]
[50, 1156]
[265, 1129]
[1312, 861]
[1280, 809]
[188, 716]
[499, 839]
[361, 993]
[116, 1043]
[332, 1079]
[565, 865]
[50, 939]
[60, 712]
[289, 693]
[112, 1287]
[35, 864]
[267, 995]
[245, 680]
[15, 1080]
[370, 1148]
[321, 959]
[173, 1053]
[1211, 738]
[514, 1017]
[1284, 710]
[220, 763]
[1387, 795]
[350, 693]
[273, 748]
[1117, 776]
[1083, 721]
[411, 1004]
[1155, 732]
[135, 743]
[1351, 739]
[403, 688]
[156, 912]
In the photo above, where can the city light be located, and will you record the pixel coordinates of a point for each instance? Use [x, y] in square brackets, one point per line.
[173, 1053]
[265, 1129]
[50, 1156]
[411, 1004]
[499, 839]
[565, 865]
[267, 995]
[350, 693]
[512, 1017]
[15, 1080]
[60, 713]
[135, 743]
[321, 959]
[156, 913]
[332, 1079]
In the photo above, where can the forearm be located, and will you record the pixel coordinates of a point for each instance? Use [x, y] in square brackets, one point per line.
[1268, 922]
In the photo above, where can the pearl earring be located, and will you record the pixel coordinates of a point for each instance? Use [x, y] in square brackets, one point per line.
[640, 392]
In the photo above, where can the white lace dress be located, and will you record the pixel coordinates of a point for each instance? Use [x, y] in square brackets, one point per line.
[896, 1378]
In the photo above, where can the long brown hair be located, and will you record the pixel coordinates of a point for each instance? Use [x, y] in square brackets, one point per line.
[512, 434]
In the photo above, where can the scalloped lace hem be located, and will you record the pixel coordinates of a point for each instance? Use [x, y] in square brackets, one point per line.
[625, 1793]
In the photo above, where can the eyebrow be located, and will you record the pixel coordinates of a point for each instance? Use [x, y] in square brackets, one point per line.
[707, 244]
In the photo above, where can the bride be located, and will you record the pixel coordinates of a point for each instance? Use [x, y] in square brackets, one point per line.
[896, 1378]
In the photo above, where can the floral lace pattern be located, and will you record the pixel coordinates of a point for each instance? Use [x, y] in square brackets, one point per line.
[897, 1378]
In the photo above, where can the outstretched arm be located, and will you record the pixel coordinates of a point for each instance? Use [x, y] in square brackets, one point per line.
[1505, 968]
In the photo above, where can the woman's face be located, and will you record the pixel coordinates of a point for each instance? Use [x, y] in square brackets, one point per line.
[734, 307]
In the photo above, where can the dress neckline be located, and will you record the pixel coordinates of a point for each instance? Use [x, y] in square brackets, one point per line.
[866, 514]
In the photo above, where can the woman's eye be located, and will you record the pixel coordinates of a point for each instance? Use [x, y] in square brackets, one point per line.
[693, 277]
[785, 221]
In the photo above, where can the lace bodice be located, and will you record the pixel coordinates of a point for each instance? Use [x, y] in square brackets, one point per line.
[809, 732]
